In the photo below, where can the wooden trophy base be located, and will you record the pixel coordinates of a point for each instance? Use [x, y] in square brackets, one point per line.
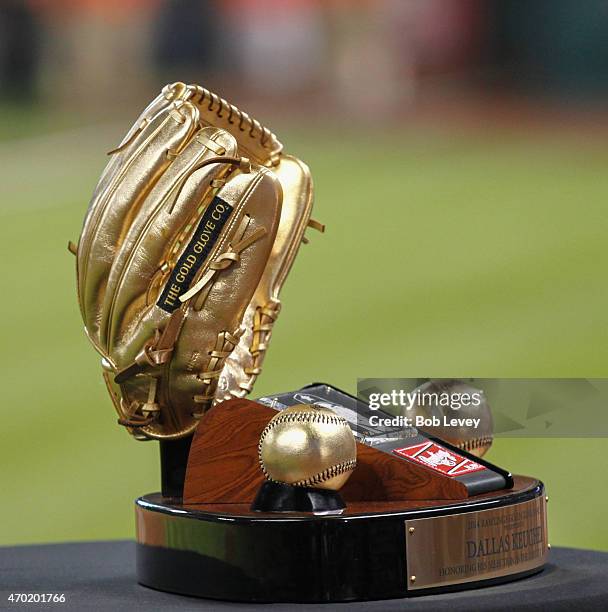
[374, 550]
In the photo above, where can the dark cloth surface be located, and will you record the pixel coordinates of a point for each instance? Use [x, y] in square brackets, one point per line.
[101, 576]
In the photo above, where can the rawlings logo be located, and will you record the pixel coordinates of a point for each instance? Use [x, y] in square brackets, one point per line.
[195, 254]
[439, 459]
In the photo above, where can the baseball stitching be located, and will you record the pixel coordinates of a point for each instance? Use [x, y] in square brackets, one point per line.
[327, 474]
[469, 445]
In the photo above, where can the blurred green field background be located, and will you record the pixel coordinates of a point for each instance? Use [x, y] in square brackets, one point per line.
[447, 253]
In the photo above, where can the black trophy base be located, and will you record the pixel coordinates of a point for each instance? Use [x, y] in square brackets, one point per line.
[281, 497]
[374, 550]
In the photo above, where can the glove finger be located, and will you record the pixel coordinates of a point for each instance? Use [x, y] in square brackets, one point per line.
[152, 244]
[244, 364]
[138, 131]
[112, 212]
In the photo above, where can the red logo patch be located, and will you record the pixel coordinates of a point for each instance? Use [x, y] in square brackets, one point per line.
[439, 459]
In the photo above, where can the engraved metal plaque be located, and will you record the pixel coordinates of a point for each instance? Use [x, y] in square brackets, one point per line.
[478, 545]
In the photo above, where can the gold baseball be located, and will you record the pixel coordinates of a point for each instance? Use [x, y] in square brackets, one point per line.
[476, 441]
[308, 446]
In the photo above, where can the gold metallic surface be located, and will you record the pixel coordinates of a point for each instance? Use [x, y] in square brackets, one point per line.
[187, 147]
[244, 364]
[476, 440]
[473, 546]
[308, 446]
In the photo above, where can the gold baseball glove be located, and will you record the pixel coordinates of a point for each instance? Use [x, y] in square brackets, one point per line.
[189, 236]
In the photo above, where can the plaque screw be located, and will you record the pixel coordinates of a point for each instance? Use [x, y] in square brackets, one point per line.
[546, 498]
[411, 530]
[549, 546]
[412, 578]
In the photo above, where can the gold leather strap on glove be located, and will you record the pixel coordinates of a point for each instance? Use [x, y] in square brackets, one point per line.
[188, 239]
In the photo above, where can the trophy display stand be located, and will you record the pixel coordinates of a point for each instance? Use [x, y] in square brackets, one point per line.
[282, 497]
[420, 517]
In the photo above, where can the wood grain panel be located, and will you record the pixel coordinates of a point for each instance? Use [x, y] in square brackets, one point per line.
[223, 464]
